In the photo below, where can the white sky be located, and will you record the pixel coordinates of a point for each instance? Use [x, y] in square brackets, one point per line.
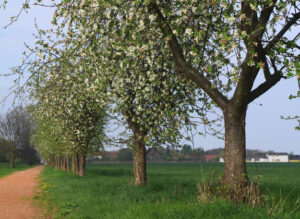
[264, 128]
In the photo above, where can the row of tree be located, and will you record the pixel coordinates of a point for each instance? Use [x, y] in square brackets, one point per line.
[153, 65]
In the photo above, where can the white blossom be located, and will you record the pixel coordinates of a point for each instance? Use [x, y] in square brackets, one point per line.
[188, 31]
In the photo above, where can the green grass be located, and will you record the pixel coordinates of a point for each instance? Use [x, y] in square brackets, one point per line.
[108, 191]
[6, 170]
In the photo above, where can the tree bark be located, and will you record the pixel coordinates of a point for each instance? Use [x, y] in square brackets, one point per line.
[61, 162]
[64, 163]
[67, 164]
[12, 159]
[235, 148]
[54, 162]
[13, 156]
[82, 164]
[75, 163]
[57, 162]
[139, 160]
[51, 161]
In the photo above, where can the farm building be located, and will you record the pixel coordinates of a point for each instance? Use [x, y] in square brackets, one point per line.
[257, 158]
[210, 157]
[272, 157]
[278, 157]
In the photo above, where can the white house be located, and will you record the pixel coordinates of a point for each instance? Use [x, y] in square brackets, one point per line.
[257, 158]
[278, 157]
[274, 157]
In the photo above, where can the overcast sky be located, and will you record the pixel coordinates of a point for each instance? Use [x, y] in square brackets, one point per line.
[264, 128]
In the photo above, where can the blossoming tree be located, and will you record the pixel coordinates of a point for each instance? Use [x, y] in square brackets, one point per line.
[68, 95]
[234, 41]
[153, 99]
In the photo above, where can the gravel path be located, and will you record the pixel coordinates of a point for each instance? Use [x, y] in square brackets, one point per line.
[16, 192]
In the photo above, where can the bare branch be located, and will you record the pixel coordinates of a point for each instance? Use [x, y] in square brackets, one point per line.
[25, 6]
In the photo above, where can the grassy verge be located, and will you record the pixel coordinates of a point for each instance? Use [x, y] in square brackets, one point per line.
[6, 170]
[107, 191]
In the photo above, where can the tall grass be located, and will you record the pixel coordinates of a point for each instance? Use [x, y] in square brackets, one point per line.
[108, 191]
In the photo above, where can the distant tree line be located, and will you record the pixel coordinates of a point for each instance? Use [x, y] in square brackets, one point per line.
[16, 129]
[159, 153]
[184, 153]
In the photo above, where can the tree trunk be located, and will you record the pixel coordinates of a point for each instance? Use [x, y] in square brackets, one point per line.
[12, 159]
[61, 163]
[139, 160]
[67, 164]
[235, 149]
[56, 161]
[64, 163]
[82, 164]
[51, 161]
[75, 163]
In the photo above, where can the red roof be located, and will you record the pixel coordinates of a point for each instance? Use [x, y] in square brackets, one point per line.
[211, 156]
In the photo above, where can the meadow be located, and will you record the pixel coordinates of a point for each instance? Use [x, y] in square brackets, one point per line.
[6, 170]
[108, 191]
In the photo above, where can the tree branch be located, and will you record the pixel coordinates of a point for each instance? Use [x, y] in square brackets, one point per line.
[263, 20]
[263, 58]
[275, 40]
[264, 87]
[251, 20]
[182, 64]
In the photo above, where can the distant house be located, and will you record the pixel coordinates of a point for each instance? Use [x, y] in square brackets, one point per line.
[257, 158]
[273, 157]
[210, 157]
[278, 157]
[253, 158]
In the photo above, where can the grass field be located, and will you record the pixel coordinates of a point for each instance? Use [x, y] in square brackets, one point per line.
[108, 191]
[6, 170]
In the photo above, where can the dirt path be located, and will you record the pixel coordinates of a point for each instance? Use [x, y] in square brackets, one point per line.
[16, 192]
